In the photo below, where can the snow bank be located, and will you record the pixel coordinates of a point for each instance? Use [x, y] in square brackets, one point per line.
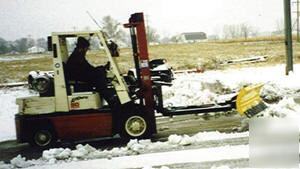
[8, 109]
[20, 162]
[220, 167]
[159, 159]
[134, 147]
[197, 89]
[191, 89]
[272, 93]
[162, 167]
[285, 108]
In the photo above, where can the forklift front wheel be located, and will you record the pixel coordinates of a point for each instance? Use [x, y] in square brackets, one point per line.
[135, 126]
[43, 138]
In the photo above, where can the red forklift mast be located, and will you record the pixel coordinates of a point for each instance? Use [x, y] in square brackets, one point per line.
[141, 59]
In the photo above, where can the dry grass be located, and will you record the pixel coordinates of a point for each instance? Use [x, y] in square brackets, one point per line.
[179, 56]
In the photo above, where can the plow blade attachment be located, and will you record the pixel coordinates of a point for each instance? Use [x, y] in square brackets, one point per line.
[249, 102]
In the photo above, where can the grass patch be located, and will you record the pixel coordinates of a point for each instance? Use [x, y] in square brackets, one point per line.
[179, 56]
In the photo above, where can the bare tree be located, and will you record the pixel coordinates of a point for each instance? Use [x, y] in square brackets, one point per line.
[152, 35]
[113, 28]
[42, 43]
[165, 40]
[234, 31]
[279, 27]
[245, 30]
[230, 31]
[217, 31]
[254, 31]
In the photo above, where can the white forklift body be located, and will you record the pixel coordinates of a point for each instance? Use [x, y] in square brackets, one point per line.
[61, 101]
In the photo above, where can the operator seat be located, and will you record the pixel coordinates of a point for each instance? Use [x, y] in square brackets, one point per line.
[78, 86]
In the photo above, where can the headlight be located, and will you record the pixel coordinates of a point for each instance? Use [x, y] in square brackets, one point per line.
[42, 84]
[40, 81]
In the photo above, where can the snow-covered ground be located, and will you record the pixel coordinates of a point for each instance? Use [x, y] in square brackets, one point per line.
[8, 109]
[160, 159]
[188, 89]
[21, 57]
[141, 153]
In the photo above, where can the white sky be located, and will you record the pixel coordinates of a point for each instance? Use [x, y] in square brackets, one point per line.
[20, 18]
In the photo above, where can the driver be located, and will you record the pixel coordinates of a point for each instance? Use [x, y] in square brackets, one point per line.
[79, 69]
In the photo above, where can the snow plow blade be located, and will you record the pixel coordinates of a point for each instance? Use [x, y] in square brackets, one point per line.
[249, 102]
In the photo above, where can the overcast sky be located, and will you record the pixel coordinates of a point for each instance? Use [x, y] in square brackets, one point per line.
[38, 18]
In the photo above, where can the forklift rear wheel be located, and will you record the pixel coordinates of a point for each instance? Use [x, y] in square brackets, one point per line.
[135, 126]
[43, 138]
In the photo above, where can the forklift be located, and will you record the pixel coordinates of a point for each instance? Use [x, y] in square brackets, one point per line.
[68, 110]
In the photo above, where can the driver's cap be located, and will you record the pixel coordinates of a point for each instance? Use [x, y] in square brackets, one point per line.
[82, 42]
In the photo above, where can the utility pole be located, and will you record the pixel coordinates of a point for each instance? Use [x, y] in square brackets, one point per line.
[288, 36]
[298, 32]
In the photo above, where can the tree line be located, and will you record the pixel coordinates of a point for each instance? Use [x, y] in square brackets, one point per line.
[114, 29]
[21, 45]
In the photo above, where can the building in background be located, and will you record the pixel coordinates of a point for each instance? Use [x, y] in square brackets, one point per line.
[35, 49]
[192, 37]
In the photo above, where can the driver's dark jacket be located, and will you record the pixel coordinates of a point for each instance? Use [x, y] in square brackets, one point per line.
[78, 68]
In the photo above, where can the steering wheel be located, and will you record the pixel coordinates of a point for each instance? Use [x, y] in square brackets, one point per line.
[107, 66]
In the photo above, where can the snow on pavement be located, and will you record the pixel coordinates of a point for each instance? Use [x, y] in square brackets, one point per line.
[158, 159]
[134, 147]
[8, 109]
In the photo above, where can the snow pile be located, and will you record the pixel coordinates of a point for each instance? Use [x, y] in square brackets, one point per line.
[20, 162]
[84, 152]
[133, 147]
[162, 167]
[285, 108]
[220, 167]
[272, 93]
[5, 166]
[177, 158]
[204, 88]
[8, 110]
[189, 89]
[202, 136]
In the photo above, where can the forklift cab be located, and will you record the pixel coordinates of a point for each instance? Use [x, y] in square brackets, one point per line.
[66, 90]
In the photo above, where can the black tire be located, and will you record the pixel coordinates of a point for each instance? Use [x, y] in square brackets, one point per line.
[134, 126]
[43, 138]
